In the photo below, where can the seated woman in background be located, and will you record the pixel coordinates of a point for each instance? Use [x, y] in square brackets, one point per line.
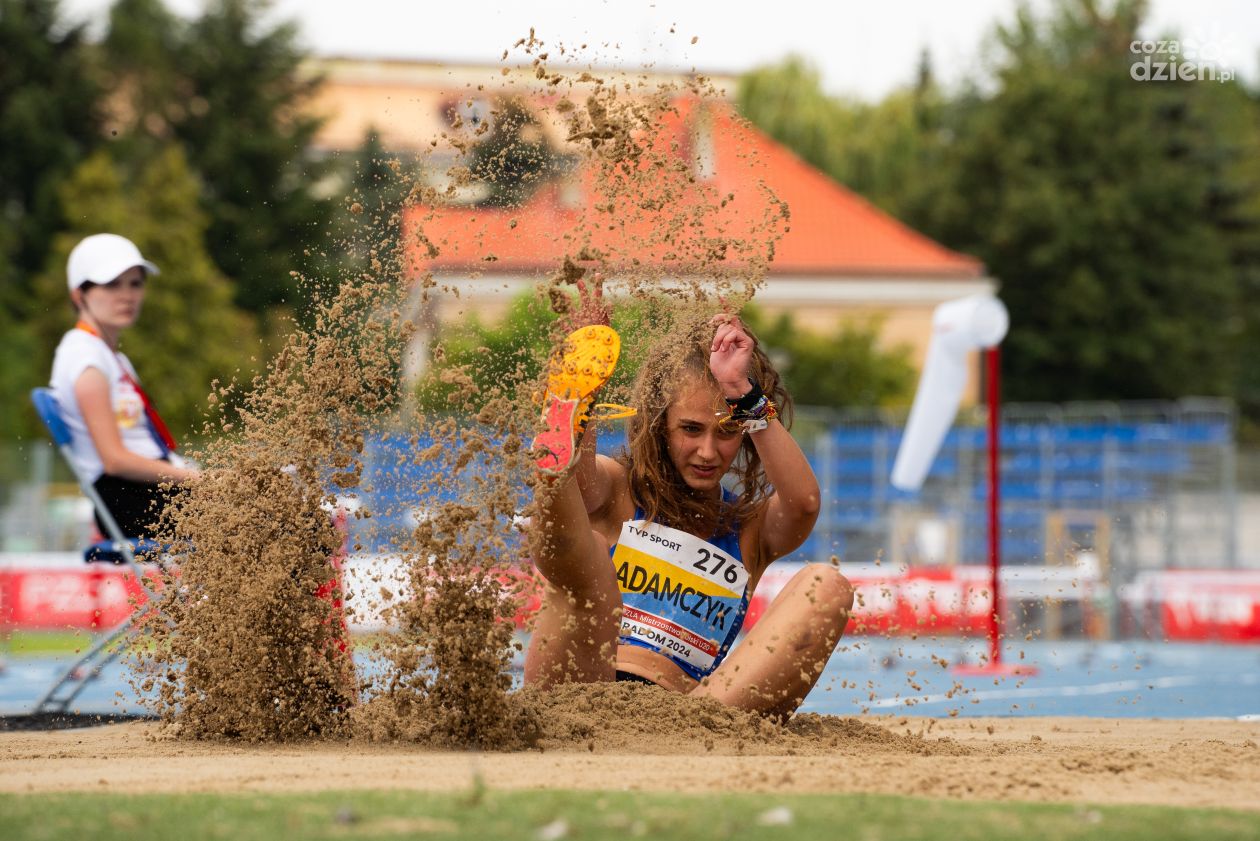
[118, 440]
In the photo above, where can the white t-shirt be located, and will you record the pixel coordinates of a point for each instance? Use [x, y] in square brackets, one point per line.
[78, 351]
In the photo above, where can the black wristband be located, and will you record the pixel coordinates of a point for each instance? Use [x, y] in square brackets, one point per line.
[749, 401]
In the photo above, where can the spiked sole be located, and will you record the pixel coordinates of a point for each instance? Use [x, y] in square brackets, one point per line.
[578, 370]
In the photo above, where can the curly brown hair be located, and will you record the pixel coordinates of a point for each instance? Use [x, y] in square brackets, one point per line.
[656, 486]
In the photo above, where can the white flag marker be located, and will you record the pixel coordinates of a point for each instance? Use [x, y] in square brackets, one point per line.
[958, 327]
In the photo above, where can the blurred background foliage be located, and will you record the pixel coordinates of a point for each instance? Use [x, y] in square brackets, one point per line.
[844, 368]
[189, 136]
[1122, 219]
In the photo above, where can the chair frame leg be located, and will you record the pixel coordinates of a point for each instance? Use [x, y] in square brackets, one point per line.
[86, 668]
[105, 650]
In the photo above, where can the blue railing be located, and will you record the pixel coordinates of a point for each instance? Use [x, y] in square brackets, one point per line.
[1102, 458]
[1047, 464]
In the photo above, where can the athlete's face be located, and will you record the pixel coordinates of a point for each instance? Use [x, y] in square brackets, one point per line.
[116, 305]
[701, 451]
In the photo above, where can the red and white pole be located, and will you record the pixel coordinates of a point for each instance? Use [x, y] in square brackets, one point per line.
[994, 360]
[994, 666]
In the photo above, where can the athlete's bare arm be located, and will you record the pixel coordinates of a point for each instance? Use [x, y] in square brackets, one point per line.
[790, 513]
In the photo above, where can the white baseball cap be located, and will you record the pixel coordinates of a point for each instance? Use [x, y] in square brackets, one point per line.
[101, 258]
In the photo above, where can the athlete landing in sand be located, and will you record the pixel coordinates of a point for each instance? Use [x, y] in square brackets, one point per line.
[648, 561]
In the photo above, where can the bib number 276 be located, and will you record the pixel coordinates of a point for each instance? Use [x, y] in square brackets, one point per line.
[713, 563]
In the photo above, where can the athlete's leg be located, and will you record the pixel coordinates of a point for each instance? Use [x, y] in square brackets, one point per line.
[779, 661]
[575, 631]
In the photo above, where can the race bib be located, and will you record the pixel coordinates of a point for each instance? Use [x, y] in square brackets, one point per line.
[680, 594]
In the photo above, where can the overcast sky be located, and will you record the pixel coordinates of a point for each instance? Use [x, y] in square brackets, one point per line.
[863, 48]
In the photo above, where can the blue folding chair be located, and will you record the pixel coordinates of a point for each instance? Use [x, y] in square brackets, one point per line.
[117, 549]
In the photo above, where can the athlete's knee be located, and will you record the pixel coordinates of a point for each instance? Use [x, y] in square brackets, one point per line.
[827, 587]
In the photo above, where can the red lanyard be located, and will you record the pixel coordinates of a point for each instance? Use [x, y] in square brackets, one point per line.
[156, 425]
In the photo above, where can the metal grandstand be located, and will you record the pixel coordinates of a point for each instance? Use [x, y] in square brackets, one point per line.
[1094, 496]
[1138, 485]
[1141, 485]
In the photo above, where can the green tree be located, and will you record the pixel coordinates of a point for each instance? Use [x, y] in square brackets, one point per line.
[842, 369]
[885, 151]
[1121, 218]
[49, 120]
[151, 94]
[18, 374]
[497, 356]
[512, 156]
[1101, 203]
[189, 332]
[231, 89]
[1236, 213]
[787, 102]
[367, 231]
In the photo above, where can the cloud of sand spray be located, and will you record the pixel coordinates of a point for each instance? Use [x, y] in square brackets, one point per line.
[256, 647]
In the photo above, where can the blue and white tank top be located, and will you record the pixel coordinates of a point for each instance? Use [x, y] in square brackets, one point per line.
[682, 596]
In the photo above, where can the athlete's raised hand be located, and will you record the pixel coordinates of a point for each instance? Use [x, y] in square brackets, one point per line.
[591, 306]
[730, 354]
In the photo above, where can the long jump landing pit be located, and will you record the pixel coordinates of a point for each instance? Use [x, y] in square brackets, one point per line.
[1190, 762]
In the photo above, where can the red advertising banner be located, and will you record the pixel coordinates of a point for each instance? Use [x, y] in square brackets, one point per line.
[61, 592]
[1198, 605]
[947, 600]
[92, 597]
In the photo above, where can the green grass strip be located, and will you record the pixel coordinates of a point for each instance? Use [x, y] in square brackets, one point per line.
[17, 644]
[45, 643]
[556, 815]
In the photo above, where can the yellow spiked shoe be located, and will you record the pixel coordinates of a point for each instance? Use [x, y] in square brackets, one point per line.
[577, 370]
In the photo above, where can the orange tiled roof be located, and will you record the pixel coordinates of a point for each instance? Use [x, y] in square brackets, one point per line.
[832, 232]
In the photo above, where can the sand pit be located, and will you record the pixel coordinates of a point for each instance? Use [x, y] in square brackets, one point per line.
[1182, 763]
[252, 664]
